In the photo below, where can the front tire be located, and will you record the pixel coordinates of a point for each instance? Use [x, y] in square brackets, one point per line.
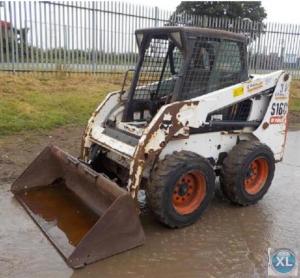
[180, 188]
[247, 172]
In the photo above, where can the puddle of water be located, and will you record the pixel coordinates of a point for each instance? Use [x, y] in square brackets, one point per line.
[60, 213]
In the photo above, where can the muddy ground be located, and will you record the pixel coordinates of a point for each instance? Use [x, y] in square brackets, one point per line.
[17, 151]
[228, 241]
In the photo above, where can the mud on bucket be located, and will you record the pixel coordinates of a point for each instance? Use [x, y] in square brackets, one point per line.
[86, 216]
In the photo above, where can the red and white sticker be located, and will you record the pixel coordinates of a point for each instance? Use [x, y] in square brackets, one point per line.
[276, 120]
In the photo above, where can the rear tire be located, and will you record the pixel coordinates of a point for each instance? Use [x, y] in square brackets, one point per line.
[180, 188]
[247, 172]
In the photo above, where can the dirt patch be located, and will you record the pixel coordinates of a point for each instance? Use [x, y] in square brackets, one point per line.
[294, 120]
[17, 151]
[294, 117]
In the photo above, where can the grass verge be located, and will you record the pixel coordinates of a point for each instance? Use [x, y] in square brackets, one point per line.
[295, 97]
[45, 101]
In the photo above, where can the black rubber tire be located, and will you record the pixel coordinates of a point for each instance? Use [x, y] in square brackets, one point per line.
[234, 171]
[163, 179]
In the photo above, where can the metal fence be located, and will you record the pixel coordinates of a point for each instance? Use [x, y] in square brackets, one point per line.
[99, 36]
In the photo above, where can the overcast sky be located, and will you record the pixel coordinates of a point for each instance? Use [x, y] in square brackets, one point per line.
[286, 11]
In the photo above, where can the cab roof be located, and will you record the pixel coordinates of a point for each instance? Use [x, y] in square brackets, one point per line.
[195, 31]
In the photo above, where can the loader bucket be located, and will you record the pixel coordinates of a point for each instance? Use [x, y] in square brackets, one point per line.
[85, 215]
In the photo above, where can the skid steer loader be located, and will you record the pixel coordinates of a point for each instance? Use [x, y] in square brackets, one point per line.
[191, 113]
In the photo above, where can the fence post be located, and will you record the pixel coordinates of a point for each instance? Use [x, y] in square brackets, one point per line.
[205, 21]
[12, 38]
[156, 12]
[282, 53]
[65, 44]
[257, 61]
[93, 37]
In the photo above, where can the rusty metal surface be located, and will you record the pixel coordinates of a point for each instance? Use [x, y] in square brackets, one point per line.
[165, 126]
[85, 216]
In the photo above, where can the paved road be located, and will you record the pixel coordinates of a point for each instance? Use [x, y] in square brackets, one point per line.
[228, 241]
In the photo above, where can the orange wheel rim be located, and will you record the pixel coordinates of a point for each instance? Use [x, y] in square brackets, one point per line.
[189, 192]
[256, 176]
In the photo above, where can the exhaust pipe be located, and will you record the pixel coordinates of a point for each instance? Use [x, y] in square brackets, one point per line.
[85, 215]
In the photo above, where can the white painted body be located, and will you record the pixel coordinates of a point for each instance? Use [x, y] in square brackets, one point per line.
[206, 144]
[270, 110]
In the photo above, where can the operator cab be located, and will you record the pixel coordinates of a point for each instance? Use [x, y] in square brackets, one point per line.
[175, 64]
[180, 63]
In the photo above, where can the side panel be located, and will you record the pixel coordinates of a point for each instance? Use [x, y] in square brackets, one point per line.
[272, 131]
[196, 115]
[95, 123]
[258, 108]
[205, 144]
[273, 128]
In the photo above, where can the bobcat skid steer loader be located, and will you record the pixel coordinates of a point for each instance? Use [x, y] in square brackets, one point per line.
[191, 113]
